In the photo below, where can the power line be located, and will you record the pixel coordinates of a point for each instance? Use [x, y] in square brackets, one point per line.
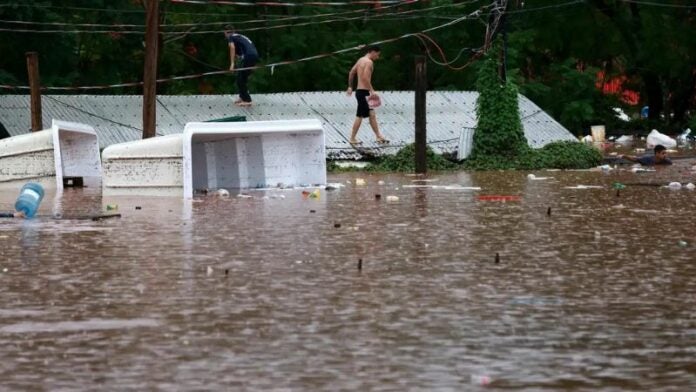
[288, 4]
[473, 15]
[170, 33]
[654, 4]
[275, 18]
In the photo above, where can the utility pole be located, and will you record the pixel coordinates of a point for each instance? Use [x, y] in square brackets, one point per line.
[503, 21]
[150, 71]
[496, 24]
[35, 90]
[421, 131]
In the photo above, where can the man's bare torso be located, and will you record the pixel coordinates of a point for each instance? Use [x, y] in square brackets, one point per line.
[363, 68]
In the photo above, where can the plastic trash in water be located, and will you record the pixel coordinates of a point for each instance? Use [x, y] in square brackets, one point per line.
[29, 199]
[112, 207]
[392, 198]
[315, 194]
[655, 138]
[360, 181]
[380, 182]
[535, 178]
[674, 185]
[584, 187]
[618, 186]
[690, 186]
[683, 139]
[625, 139]
[480, 379]
[682, 243]
[222, 193]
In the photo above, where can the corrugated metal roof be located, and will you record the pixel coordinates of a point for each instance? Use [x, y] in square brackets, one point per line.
[118, 118]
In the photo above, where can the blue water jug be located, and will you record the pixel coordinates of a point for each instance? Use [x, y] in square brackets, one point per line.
[29, 199]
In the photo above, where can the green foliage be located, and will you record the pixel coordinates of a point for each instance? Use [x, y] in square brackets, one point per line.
[404, 161]
[557, 155]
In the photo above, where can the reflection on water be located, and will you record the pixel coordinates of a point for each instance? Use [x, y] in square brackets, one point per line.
[593, 291]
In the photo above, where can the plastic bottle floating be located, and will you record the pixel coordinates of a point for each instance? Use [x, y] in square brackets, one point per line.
[29, 199]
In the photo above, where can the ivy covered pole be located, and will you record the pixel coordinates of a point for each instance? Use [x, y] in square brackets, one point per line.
[421, 132]
[499, 131]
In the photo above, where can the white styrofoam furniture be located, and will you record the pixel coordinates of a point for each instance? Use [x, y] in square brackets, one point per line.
[256, 154]
[65, 150]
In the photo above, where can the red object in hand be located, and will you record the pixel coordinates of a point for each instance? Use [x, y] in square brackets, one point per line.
[373, 101]
[499, 198]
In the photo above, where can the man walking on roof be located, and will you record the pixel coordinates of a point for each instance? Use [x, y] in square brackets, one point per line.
[363, 68]
[241, 46]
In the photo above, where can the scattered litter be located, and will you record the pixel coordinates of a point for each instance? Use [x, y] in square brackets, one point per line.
[535, 178]
[315, 194]
[446, 187]
[337, 225]
[690, 186]
[655, 138]
[312, 211]
[587, 139]
[481, 380]
[333, 186]
[392, 198]
[138, 207]
[222, 193]
[209, 270]
[277, 196]
[5, 270]
[503, 198]
[597, 235]
[641, 170]
[605, 167]
[674, 185]
[625, 139]
[102, 217]
[112, 207]
[684, 137]
[298, 261]
[380, 182]
[585, 187]
[359, 181]
[682, 243]
[619, 207]
[378, 196]
[618, 186]
[244, 196]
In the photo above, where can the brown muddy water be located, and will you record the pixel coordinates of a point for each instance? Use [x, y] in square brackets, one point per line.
[598, 295]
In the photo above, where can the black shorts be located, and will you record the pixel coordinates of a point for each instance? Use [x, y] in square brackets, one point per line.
[363, 108]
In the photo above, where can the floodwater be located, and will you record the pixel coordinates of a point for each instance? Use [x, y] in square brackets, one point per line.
[598, 295]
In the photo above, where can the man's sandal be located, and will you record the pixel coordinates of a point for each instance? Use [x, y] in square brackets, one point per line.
[382, 141]
[356, 143]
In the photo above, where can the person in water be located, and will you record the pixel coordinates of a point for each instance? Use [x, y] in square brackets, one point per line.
[660, 157]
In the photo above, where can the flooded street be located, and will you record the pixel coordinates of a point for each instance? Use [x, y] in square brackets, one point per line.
[591, 292]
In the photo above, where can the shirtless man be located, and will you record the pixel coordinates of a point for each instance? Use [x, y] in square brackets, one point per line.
[363, 68]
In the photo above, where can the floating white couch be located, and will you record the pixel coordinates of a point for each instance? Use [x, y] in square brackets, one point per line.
[232, 155]
[67, 151]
